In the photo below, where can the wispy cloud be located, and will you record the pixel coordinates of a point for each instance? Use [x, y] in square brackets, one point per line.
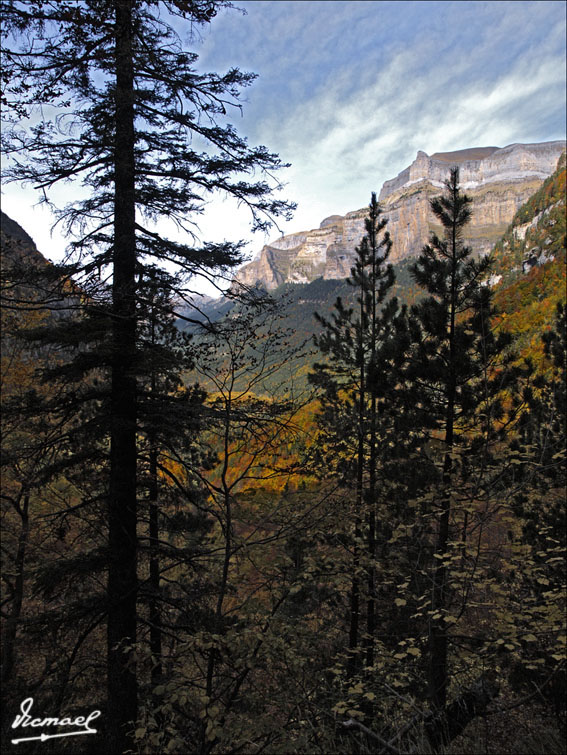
[471, 75]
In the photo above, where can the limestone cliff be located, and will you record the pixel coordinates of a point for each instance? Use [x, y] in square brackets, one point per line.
[499, 180]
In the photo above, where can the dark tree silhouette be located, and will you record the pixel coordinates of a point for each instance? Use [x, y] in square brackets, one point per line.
[127, 115]
[455, 350]
[363, 347]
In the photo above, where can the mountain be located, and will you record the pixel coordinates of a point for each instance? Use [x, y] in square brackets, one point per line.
[16, 244]
[30, 280]
[536, 234]
[499, 180]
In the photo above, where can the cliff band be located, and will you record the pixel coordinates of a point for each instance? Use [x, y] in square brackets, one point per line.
[499, 180]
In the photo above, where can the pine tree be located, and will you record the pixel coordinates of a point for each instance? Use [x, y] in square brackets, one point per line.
[40, 433]
[134, 114]
[458, 394]
[358, 385]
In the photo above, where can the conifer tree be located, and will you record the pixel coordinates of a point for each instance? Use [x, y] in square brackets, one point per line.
[142, 130]
[26, 450]
[169, 425]
[457, 391]
[358, 383]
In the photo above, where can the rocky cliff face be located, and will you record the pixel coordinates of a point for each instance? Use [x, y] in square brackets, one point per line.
[498, 180]
[16, 244]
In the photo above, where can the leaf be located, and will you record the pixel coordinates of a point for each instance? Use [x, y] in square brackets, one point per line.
[400, 602]
[354, 713]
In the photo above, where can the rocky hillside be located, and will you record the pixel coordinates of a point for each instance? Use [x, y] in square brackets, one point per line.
[16, 244]
[529, 270]
[527, 275]
[499, 180]
[537, 232]
[28, 278]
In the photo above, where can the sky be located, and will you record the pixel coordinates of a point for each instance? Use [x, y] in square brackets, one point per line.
[348, 92]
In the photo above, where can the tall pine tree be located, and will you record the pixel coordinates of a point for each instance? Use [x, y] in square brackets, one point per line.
[364, 346]
[457, 396]
[142, 130]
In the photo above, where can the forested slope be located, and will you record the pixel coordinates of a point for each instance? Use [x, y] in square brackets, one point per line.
[531, 260]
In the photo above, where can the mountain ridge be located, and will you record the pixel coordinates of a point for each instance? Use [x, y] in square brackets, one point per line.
[499, 180]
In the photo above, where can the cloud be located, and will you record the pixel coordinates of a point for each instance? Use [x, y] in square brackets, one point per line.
[448, 89]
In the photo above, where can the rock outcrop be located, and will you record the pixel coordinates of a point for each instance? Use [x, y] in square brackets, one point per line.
[16, 244]
[499, 180]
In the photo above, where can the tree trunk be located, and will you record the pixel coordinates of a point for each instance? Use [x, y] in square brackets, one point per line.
[438, 671]
[438, 642]
[442, 728]
[352, 665]
[155, 613]
[123, 546]
[371, 497]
